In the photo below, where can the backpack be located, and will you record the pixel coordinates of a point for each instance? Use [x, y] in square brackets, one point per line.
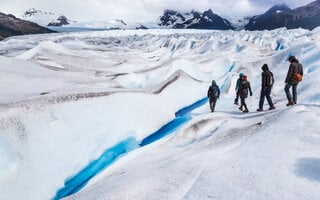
[296, 78]
[271, 79]
[214, 91]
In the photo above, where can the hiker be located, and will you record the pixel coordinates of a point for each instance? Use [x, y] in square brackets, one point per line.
[244, 89]
[213, 95]
[236, 100]
[295, 69]
[266, 86]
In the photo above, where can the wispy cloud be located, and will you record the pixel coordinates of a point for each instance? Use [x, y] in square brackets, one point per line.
[140, 10]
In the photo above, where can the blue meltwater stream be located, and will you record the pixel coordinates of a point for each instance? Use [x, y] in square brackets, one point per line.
[78, 181]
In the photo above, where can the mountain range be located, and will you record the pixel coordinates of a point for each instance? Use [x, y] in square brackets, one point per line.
[194, 20]
[307, 17]
[44, 18]
[280, 15]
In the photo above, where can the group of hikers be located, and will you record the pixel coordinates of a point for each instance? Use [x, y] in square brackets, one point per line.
[243, 88]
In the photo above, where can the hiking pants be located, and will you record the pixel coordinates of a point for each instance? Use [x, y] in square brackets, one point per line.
[212, 102]
[243, 103]
[265, 93]
[292, 98]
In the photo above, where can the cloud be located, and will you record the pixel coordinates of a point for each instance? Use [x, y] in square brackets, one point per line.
[140, 10]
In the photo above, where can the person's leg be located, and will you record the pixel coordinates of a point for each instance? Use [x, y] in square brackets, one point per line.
[261, 101]
[245, 106]
[289, 97]
[268, 93]
[211, 104]
[242, 103]
[294, 93]
[214, 104]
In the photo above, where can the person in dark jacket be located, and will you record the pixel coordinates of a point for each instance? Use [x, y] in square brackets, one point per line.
[236, 100]
[266, 86]
[295, 67]
[244, 89]
[213, 95]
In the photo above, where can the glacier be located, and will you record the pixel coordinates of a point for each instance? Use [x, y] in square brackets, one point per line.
[67, 99]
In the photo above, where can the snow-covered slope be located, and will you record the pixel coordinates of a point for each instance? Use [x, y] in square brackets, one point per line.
[83, 114]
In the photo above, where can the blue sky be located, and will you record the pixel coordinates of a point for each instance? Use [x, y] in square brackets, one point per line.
[140, 10]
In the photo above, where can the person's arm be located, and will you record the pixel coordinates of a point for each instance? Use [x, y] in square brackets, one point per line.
[237, 84]
[250, 88]
[263, 80]
[289, 74]
[209, 92]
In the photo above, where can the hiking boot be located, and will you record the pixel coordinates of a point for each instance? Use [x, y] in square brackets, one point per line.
[259, 109]
[290, 103]
[246, 110]
[236, 103]
[240, 108]
[272, 108]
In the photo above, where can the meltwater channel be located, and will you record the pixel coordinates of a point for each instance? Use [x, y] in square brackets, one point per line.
[77, 182]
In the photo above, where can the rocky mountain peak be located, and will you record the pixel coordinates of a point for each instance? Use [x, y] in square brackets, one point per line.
[194, 19]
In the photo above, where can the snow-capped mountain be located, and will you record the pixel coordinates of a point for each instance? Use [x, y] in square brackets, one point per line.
[62, 20]
[278, 16]
[10, 26]
[194, 20]
[265, 20]
[46, 18]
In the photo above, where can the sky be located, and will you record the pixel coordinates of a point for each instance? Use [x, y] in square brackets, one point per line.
[140, 10]
[123, 114]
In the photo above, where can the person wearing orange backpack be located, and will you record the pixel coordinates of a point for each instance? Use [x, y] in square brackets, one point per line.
[295, 69]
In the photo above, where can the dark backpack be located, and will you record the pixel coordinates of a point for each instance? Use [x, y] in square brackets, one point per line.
[214, 91]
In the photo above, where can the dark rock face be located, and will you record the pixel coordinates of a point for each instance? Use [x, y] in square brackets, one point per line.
[307, 17]
[194, 20]
[62, 20]
[10, 26]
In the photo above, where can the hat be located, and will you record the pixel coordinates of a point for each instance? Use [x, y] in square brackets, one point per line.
[213, 82]
[241, 74]
[244, 77]
[265, 67]
[291, 58]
